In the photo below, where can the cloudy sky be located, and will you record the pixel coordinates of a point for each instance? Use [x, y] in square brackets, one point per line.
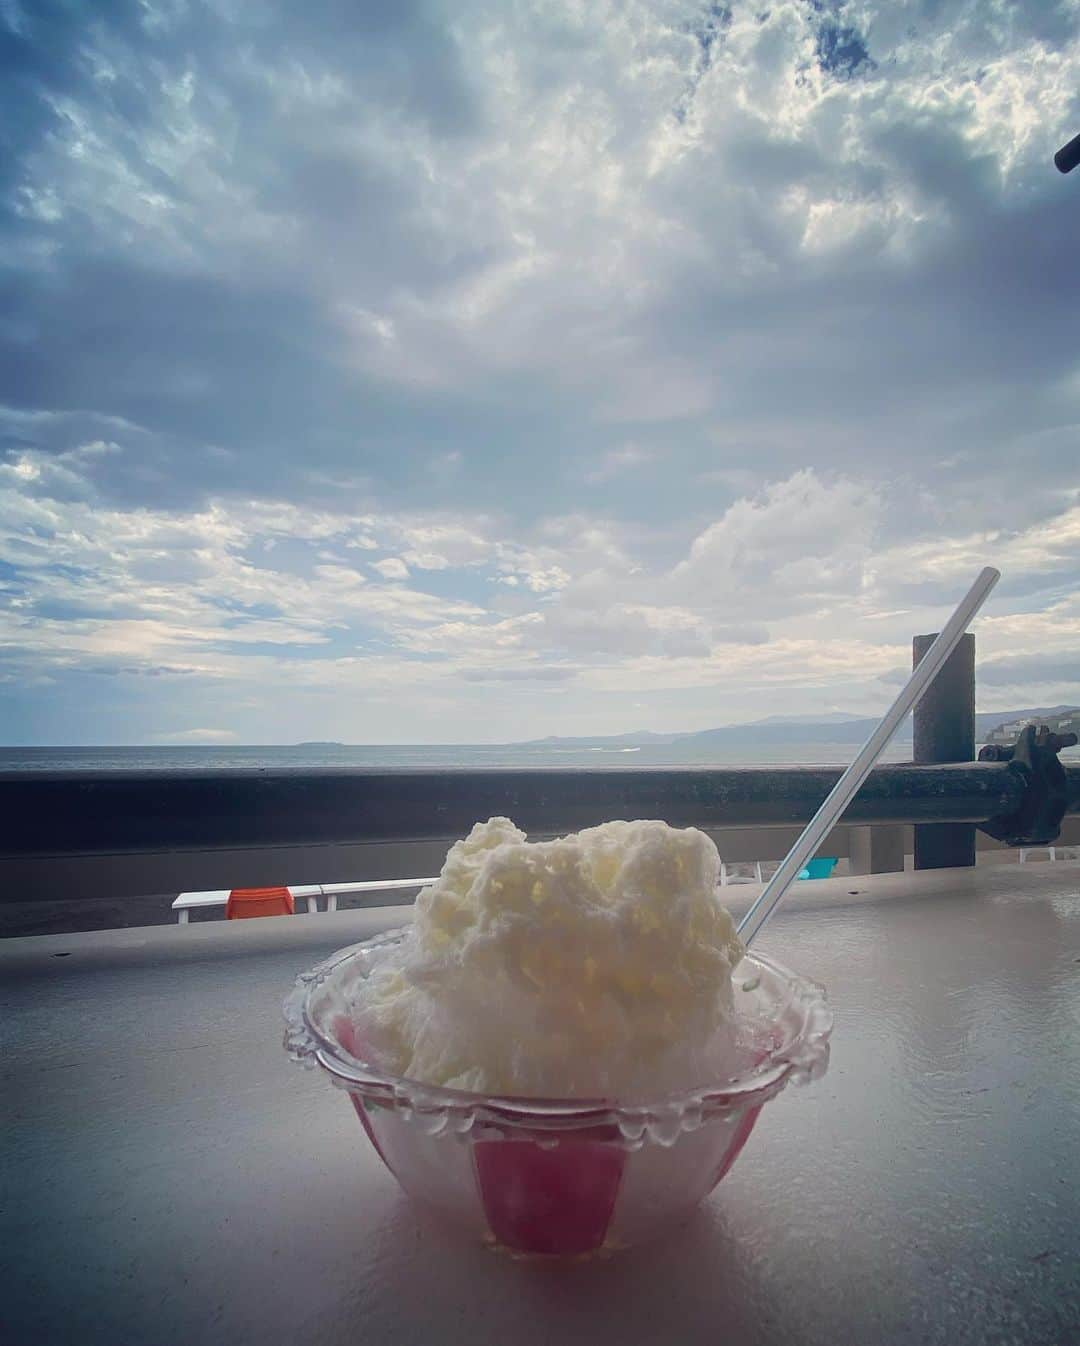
[395, 371]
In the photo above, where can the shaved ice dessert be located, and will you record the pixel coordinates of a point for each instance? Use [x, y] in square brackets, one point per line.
[568, 1047]
[595, 965]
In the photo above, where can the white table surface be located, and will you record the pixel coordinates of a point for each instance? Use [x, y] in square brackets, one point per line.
[169, 1176]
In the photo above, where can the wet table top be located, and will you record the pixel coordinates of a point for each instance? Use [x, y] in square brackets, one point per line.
[168, 1175]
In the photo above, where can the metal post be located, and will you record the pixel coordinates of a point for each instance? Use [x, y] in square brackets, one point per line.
[944, 724]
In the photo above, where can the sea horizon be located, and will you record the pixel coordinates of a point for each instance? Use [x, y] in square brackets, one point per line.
[419, 757]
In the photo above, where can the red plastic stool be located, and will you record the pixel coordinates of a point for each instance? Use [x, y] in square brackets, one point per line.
[246, 902]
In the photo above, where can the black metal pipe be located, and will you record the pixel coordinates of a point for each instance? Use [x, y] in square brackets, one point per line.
[45, 813]
[1068, 156]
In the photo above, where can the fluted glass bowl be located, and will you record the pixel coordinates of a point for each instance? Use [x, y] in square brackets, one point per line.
[560, 1176]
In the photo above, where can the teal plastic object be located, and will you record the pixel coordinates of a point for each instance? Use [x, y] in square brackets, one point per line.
[819, 868]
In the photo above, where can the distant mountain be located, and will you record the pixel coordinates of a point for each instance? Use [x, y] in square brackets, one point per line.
[776, 729]
[789, 731]
[834, 727]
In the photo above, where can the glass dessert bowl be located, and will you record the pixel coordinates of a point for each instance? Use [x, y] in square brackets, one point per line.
[560, 1176]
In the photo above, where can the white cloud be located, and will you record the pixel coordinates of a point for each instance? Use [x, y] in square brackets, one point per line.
[546, 581]
[1048, 548]
[845, 666]
[625, 629]
[170, 583]
[178, 591]
[457, 539]
[801, 544]
[391, 568]
[634, 174]
[475, 641]
[519, 566]
[786, 591]
[426, 560]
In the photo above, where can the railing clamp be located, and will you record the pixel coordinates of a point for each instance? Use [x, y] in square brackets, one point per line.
[1034, 758]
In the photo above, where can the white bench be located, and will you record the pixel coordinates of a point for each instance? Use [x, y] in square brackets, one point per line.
[185, 903]
[730, 873]
[218, 897]
[333, 890]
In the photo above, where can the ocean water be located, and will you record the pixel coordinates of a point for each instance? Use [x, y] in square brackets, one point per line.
[421, 757]
[444, 756]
